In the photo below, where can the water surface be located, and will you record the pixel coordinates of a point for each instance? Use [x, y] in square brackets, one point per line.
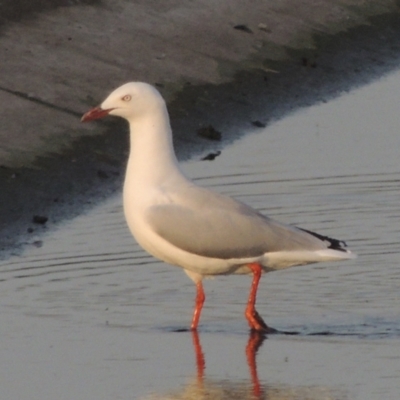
[86, 314]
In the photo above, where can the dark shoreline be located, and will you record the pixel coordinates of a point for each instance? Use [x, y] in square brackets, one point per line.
[17, 10]
[61, 186]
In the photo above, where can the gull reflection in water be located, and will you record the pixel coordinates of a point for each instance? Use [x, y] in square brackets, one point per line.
[203, 388]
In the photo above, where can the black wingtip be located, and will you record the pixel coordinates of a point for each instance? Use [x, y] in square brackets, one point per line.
[334, 244]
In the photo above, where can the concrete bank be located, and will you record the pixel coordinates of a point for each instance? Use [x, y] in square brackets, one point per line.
[216, 62]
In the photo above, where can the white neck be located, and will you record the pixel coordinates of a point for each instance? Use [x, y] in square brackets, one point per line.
[152, 161]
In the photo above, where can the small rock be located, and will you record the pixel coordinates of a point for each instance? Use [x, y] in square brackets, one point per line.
[307, 63]
[209, 132]
[39, 219]
[243, 27]
[264, 27]
[211, 156]
[258, 124]
[30, 230]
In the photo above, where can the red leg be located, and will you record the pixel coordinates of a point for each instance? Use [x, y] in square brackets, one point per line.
[200, 298]
[255, 321]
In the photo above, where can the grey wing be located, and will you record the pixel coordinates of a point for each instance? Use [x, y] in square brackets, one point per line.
[220, 227]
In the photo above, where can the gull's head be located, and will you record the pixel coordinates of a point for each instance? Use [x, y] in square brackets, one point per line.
[129, 101]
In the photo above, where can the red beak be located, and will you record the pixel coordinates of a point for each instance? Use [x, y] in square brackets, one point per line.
[95, 113]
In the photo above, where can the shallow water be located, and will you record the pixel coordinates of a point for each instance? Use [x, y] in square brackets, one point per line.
[86, 314]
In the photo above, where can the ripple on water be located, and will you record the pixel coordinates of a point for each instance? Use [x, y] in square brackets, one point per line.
[321, 168]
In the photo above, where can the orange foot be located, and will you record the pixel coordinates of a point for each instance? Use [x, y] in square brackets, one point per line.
[256, 322]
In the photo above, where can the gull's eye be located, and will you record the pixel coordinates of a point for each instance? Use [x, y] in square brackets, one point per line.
[127, 97]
